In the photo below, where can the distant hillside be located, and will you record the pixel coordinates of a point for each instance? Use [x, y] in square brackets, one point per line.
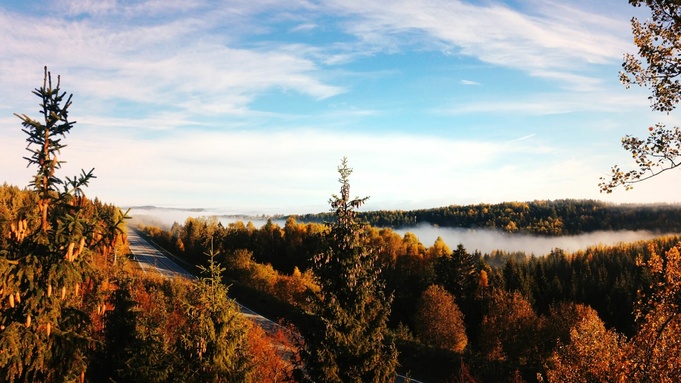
[551, 218]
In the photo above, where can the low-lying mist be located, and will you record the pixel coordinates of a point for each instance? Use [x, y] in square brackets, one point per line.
[487, 240]
[484, 240]
[165, 217]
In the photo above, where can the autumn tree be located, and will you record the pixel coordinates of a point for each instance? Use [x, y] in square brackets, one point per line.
[439, 249]
[586, 351]
[48, 289]
[347, 340]
[657, 66]
[654, 352]
[510, 330]
[195, 234]
[439, 321]
[273, 356]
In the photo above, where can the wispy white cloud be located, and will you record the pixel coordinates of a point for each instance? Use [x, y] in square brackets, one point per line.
[545, 104]
[556, 38]
[172, 63]
[469, 82]
[523, 138]
[246, 167]
[297, 167]
[307, 27]
[87, 7]
[293, 170]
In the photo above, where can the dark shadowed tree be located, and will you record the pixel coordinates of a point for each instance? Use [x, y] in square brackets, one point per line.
[458, 273]
[347, 340]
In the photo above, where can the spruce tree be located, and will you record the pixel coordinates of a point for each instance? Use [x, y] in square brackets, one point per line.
[48, 289]
[216, 341]
[347, 339]
[458, 273]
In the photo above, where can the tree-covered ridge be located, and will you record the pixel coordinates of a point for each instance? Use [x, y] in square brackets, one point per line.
[551, 218]
[512, 304]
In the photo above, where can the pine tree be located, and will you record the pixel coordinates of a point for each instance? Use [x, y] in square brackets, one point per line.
[48, 291]
[347, 340]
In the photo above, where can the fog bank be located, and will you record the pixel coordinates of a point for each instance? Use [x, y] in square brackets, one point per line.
[487, 240]
[165, 217]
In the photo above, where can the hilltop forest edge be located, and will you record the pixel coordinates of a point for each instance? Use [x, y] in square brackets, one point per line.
[545, 218]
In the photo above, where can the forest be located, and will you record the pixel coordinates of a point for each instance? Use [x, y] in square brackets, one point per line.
[507, 307]
[357, 301]
[548, 218]
[455, 315]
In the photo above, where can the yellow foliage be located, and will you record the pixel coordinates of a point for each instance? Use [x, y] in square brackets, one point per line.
[439, 321]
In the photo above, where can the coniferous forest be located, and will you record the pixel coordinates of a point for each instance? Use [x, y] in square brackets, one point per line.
[357, 302]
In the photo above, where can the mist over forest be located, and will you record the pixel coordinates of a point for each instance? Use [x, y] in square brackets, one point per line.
[481, 239]
[488, 240]
[165, 217]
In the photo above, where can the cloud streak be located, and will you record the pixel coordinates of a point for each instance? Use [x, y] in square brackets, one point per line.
[558, 40]
[173, 63]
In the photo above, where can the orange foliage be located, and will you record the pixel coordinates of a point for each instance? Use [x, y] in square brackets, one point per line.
[591, 354]
[439, 321]
[654, 353]
[510, 329]
[292, 289]
[439, 249]
[272, 356]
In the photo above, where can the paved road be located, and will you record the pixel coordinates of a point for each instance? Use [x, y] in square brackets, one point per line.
[153, 260]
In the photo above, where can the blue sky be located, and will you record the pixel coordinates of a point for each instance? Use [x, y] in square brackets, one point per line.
[248, 106]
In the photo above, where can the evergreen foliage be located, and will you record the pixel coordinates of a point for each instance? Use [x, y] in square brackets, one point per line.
[217, 342]
[348, 340]
[458, 273]
[48, 289]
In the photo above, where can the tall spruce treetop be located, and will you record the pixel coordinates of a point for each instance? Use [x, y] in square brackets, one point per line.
[48, 291]
[348, 340]
[216, 344]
